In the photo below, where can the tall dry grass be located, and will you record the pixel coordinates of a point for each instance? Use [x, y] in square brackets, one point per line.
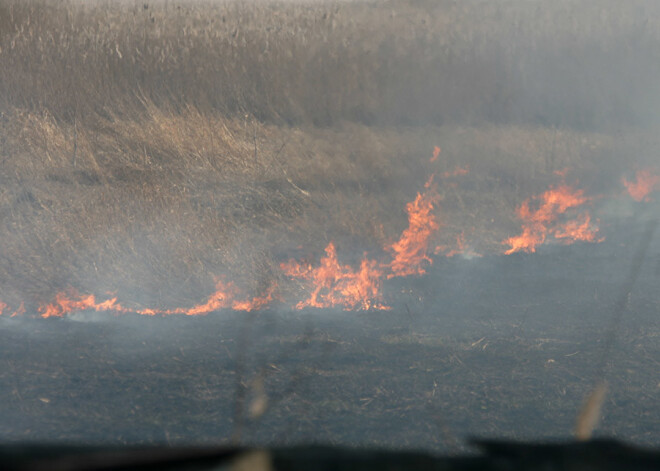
[582, 64]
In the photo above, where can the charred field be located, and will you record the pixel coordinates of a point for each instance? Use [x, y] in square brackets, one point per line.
[391, 223]
[473, 355]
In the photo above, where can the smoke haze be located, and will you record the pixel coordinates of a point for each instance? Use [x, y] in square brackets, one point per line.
[390, 223]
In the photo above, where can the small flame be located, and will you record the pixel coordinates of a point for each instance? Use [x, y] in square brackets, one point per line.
[220, 299]
[339, 285]
[579, 229]
[256, 303]
[527, 241]
[436, 153]
[20, 311]
[17, 312]
[645, 183]
[544, 220]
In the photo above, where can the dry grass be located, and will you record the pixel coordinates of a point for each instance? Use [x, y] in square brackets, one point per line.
[148, 150]
[587, 64]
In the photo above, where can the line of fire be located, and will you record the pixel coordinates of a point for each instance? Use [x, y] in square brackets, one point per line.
[560, 214]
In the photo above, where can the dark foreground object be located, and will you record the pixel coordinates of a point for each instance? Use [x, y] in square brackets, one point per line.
[495, 455]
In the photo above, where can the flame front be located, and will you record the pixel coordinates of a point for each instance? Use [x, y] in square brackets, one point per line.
[330, 284]
[544, 221]
[645, 183]
[65, 303]
[223, 297]
[552, 214]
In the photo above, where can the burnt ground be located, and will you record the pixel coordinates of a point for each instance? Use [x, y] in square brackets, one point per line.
[499, 346]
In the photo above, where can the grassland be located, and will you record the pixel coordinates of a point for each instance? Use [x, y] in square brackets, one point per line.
[147, 148]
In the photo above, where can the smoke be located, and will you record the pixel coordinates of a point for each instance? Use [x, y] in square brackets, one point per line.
[422, 203]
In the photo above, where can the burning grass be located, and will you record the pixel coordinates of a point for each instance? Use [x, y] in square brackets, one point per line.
[178, 158]
[149, 154]
[156, 210]
[545, 220]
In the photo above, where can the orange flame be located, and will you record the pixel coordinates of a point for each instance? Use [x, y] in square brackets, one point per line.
[436, 153]
[645, 183]
[579, 229]
[410, 251]
[256, 303]
[20, 311]
[223, 297]
[334, 284]
[66, 303]
[543, 221]
[339, 285]
[17, 312]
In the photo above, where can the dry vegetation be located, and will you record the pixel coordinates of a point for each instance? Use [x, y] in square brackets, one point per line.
[149, 147]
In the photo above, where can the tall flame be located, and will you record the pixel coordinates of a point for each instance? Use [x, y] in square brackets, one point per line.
[645, 183]
[410, 251]
[544, 221]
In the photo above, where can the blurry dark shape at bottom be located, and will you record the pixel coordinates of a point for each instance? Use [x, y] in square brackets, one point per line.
[500, 455]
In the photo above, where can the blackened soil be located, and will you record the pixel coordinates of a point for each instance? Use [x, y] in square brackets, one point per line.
[495, 347]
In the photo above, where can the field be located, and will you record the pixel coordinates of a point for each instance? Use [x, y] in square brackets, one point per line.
[150, 150]
[475, 355]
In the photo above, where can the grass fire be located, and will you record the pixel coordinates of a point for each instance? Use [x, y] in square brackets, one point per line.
[390, 224]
